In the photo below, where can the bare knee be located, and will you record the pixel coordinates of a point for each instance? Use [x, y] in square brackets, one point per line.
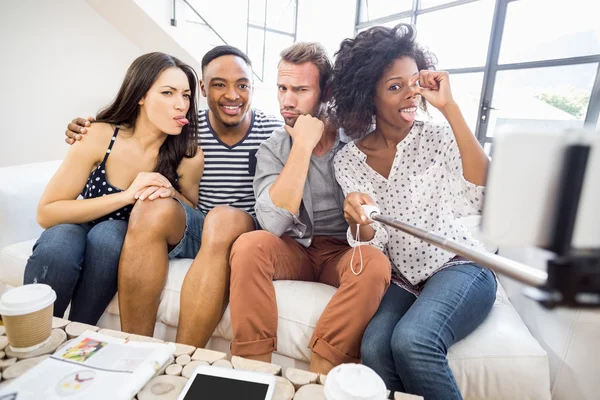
[153, 216]
[224, 224]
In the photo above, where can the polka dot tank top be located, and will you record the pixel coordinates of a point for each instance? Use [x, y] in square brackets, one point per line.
[97, 186]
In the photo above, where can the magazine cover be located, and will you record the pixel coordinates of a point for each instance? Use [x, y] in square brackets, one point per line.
[92, 366]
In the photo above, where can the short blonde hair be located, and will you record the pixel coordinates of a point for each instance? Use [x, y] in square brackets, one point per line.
[302, 52]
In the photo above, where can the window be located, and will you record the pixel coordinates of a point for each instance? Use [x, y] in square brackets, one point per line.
[389, 24]
[273, 46]
[256, 12]
[424, 4]
[466, 90]
[281, 15]
[256, 40]
[374, 9]
[514, 64]
[534, 31]
[260, 27]
[458, 36]
[271, 28]
[542, 99]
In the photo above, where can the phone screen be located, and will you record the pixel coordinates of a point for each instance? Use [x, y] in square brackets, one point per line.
[216, 387]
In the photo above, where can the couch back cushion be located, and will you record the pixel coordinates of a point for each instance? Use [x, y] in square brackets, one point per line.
[21, 187]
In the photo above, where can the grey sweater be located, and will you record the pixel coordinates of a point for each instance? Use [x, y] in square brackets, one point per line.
[270, 160]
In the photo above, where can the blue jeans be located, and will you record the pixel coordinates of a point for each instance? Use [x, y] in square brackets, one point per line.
[407, 340]
[189, 245]
[80, 262]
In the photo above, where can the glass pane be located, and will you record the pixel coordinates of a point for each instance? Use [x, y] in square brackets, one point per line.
[466, 90]
[534, 31]
[256, 39]
[275, 43]
[390, 24]
[256, 12]
[466, 44]
[373, 9]
[487, 147]
[541, 99]
[432, 3]
[197, 47]
[281, 15]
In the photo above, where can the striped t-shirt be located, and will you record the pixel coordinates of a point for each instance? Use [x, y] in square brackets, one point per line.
[229, 170]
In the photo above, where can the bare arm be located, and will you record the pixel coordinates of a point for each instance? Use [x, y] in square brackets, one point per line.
[435, 88]
[286, 191]
[59, 204]
[191, 170]
[474, 160]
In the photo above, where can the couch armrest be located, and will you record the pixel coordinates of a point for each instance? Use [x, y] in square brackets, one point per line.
[21, 187]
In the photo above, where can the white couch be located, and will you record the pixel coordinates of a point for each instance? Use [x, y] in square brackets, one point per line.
[500, 360]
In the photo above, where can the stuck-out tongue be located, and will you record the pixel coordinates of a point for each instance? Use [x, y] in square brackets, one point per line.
[183, 121]
[408, 116]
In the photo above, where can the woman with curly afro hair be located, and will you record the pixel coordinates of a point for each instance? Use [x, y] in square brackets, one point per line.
[426, 174]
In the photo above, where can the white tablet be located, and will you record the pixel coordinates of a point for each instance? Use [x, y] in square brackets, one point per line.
[211, 383]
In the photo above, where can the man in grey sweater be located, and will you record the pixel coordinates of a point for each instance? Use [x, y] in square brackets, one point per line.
[300, 207]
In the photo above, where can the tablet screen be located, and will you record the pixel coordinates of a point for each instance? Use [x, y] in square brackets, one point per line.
[216, 387]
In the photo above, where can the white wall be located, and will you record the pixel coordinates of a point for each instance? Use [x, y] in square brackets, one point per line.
[60, 59]
[66, 58]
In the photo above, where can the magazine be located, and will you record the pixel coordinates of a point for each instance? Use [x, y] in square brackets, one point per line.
[92, 366]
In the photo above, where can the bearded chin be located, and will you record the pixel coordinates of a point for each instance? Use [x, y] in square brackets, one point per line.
[290, 121]
[231, 125]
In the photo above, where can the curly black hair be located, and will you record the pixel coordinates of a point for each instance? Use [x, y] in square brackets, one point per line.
[360, 63]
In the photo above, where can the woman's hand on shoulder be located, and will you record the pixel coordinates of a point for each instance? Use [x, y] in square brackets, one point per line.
[353, 211]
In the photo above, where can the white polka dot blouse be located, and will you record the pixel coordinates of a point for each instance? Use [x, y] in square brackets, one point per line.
[425, 188]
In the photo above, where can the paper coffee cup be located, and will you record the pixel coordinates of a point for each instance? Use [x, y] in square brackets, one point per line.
[27, 315]
[354, 382]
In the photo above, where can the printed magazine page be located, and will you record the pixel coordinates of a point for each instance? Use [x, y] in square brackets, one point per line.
[92, 366]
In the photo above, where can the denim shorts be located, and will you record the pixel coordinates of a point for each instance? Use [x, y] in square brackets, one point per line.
[189, 246]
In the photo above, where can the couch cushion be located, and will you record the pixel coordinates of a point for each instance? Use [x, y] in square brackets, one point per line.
[296, 324]
[500, 359]
[21, 187]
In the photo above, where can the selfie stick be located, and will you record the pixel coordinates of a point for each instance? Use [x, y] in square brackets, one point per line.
[572, 280]
[521, 272]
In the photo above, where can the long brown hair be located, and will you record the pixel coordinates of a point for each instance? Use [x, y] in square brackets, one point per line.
[124, 110]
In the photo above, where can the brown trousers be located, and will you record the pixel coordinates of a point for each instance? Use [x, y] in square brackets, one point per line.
[259, 257]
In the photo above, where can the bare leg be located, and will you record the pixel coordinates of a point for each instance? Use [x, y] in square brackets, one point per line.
[154, 225]
[205, 290]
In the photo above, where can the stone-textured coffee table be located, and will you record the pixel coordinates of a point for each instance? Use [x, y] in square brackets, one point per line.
[296, 384]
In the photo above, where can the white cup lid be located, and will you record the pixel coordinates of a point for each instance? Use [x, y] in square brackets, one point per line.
[26, 299]
[354, 382]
